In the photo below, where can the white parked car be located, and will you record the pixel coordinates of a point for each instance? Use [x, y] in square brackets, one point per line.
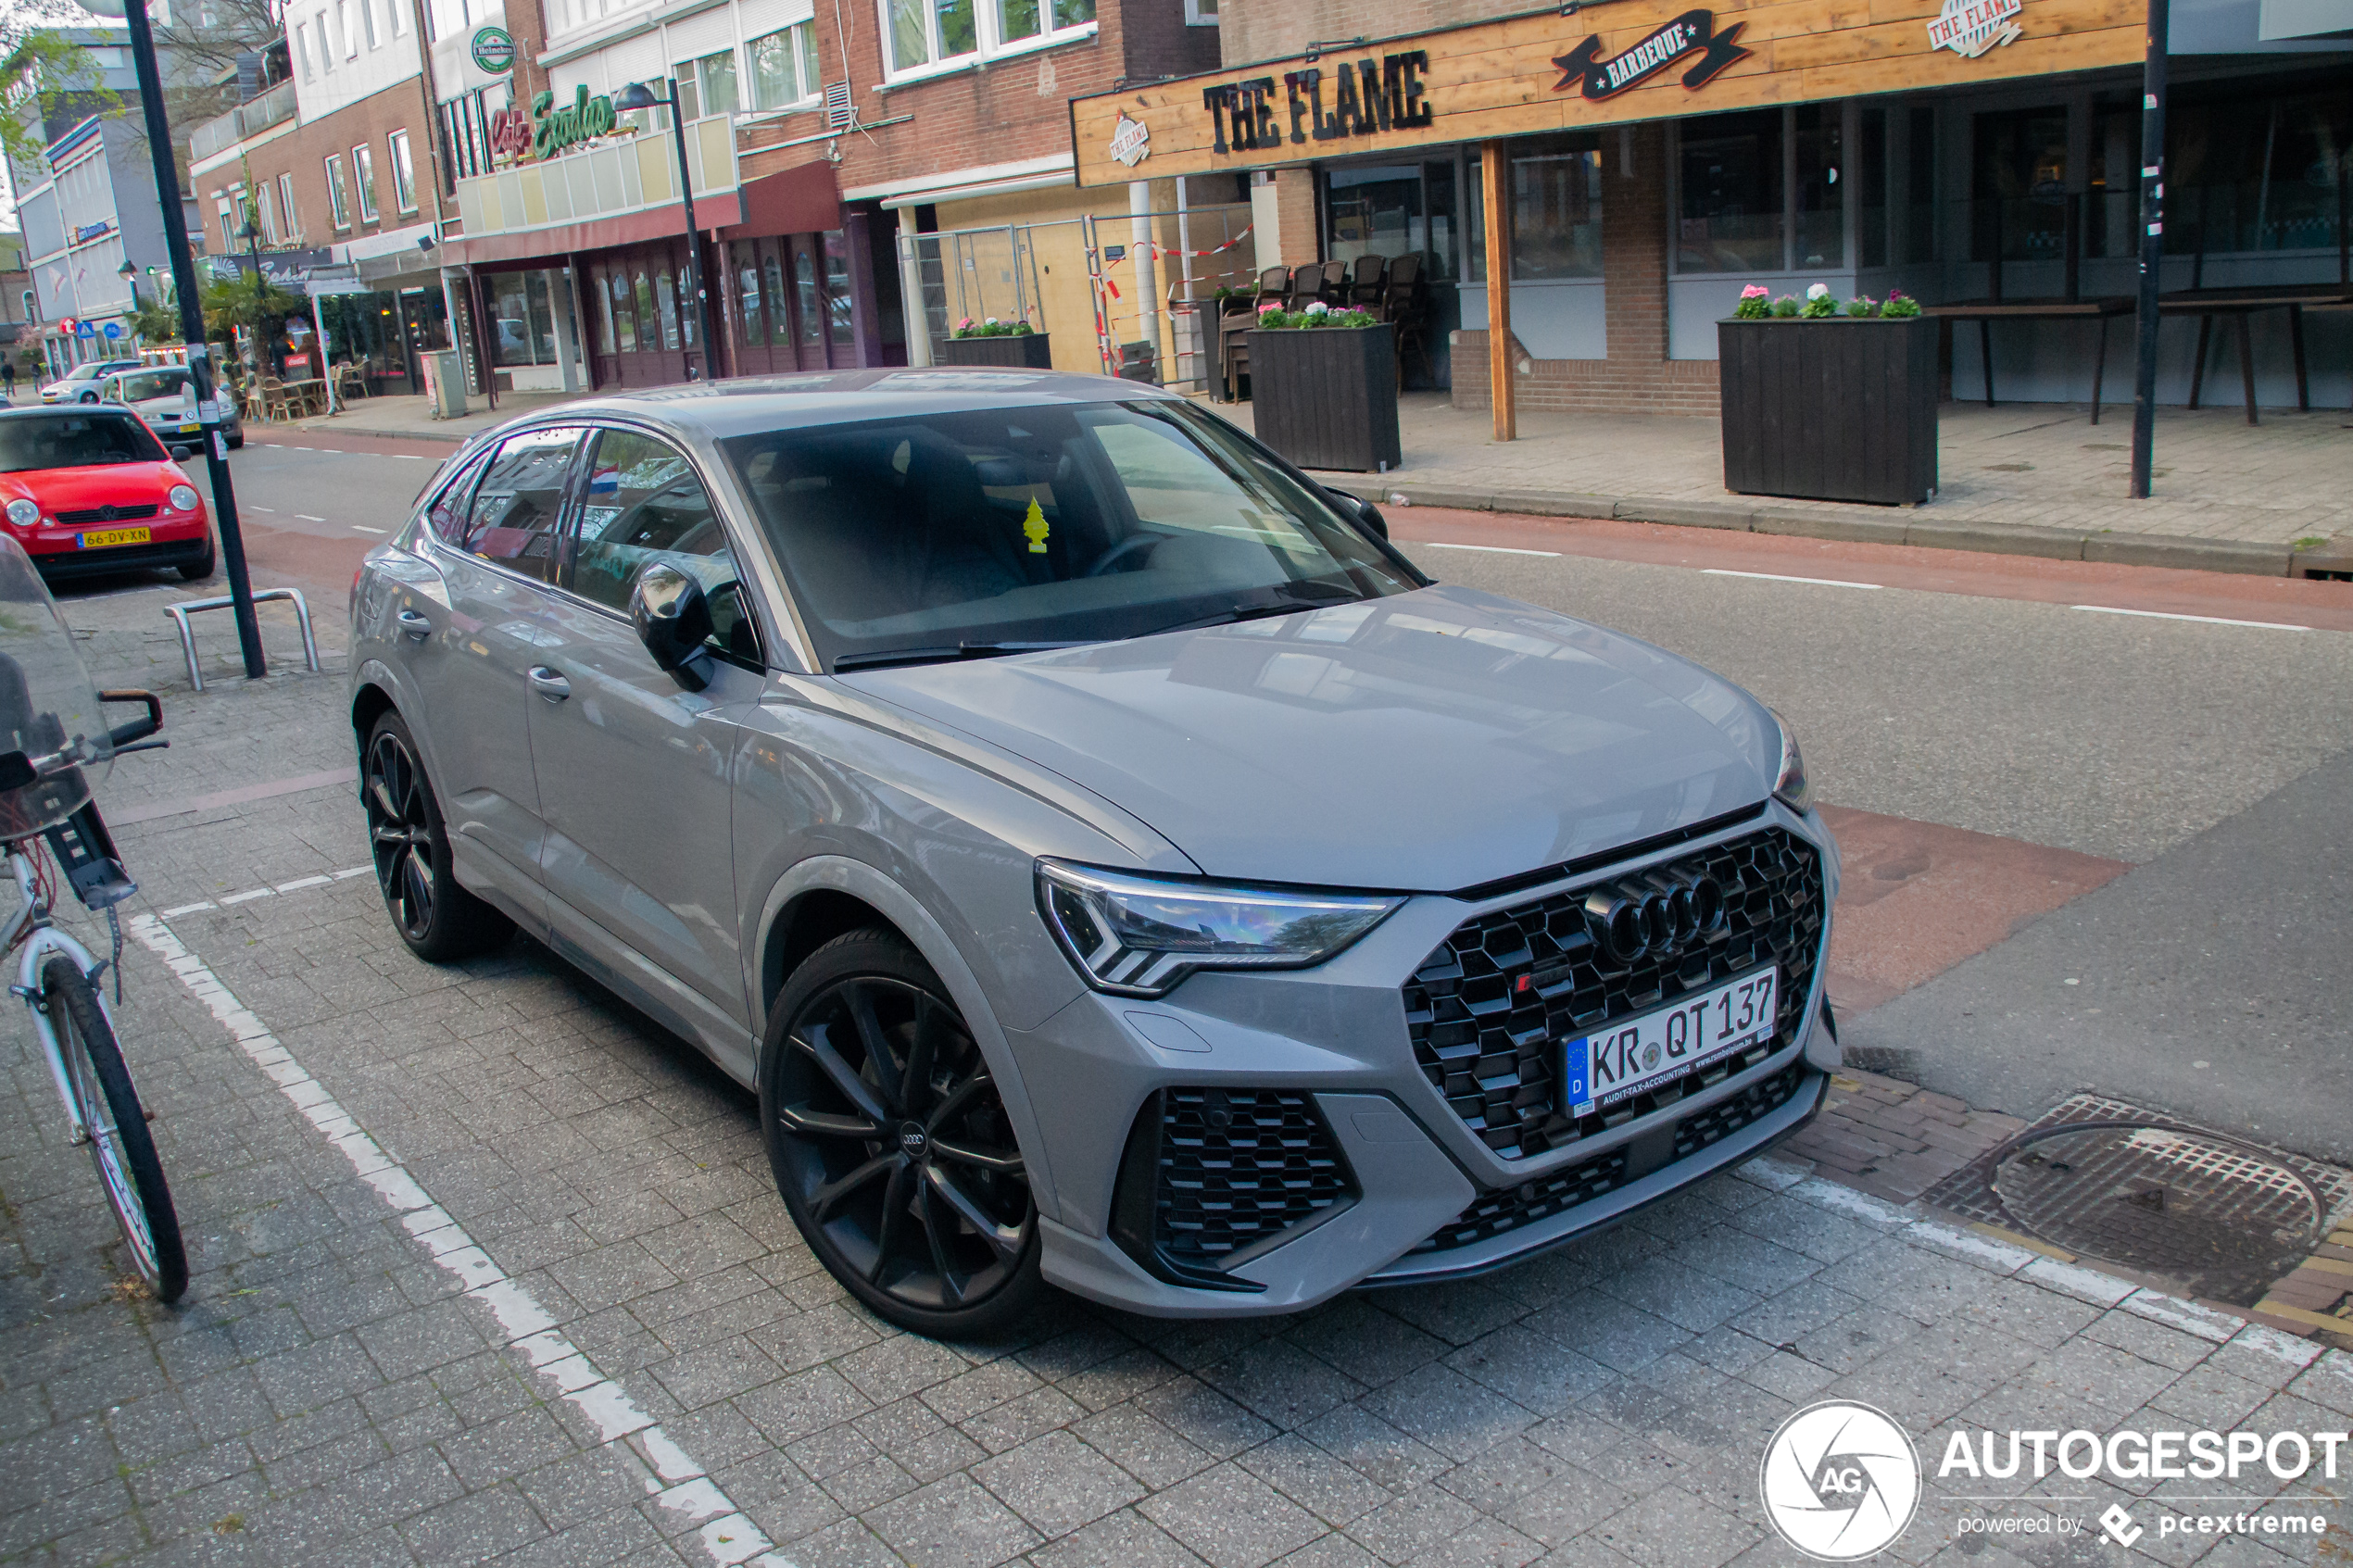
[159, 395]
[80, 383]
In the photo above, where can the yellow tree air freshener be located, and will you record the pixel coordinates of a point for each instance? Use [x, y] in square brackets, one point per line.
[1034, 525]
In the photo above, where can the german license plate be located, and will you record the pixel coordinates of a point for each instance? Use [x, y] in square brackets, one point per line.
[191, 429]
[1616, 1063]
[100, 538]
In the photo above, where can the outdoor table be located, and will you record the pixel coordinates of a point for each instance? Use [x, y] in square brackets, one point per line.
[311, 394]
[1985, 314]
[2240, 304]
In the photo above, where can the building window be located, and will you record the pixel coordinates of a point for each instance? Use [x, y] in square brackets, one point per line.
[707, 86]
[228, 213]
[344, 29]
[404, 173]
[363, 178]
[367, 19]
[783, 67]
[1556, 210]
[326, 43]
[302, 48]
[338, 200]
[400, 9]
[286, 205]
[926, 33]
[1200, 13]
[1728, 216]
[267, 208]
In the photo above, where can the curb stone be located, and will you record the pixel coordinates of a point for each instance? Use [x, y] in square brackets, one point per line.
[1904, 527]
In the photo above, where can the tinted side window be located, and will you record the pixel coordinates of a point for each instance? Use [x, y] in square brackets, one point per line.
[644, 503]
[447, 516]
[516, 506]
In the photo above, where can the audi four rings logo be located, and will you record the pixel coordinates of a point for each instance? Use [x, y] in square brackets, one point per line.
[1654, 917]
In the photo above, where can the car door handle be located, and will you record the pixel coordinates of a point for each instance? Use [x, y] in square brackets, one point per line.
[549, 683]
[416, 626]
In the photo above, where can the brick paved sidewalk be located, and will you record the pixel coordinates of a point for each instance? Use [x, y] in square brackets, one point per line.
[2030, 478]
[486, 1268]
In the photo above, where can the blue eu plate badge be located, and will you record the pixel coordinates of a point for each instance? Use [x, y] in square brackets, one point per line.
[1576, 1074]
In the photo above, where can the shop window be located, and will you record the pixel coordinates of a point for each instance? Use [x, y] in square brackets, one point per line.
[925, 34]
[2017, 185]
[2254, 170]
[642, 301]
[837, 302]
[338, 200]
[1920, 208]
[771, 276]
[1389, 210]
[746, 261]
[1870, 177]
[1556, 210]
[805, 286]
[363, 181]
[625, 313]
[783, 67]
[666, 302]
[404, 174]
[1728, 216]
[1817, 133]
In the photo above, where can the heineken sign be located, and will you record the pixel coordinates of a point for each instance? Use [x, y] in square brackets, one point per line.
[494, 50]
[553, 128]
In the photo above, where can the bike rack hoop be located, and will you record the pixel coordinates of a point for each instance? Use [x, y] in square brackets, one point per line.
[186, 608]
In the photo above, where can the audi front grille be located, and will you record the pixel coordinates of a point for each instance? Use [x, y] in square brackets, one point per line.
[1487, 1007]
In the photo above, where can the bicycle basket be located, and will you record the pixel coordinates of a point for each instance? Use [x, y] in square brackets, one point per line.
[55, 743]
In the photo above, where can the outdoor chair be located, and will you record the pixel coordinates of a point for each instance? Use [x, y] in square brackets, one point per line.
[1368, 281]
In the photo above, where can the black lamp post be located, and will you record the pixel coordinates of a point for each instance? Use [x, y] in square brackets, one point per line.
[629, 100]
[130, 275]
[183, 279]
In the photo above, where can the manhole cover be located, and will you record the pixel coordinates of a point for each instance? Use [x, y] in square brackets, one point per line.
[2213, 1216]
[2223, 1218]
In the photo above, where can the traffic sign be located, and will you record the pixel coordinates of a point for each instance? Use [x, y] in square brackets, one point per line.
[113, 329]
[85, 329]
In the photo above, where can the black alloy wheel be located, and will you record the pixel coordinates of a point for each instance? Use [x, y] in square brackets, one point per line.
[890, 1145]
[439, 919]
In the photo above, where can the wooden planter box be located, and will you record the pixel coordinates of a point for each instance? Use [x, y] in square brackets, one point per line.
[1022, 351]
[1840, 409]
[1326, 397]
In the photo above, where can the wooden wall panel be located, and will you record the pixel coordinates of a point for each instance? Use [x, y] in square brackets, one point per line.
[1500, 77]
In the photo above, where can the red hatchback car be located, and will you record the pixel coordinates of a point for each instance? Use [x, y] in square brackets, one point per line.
[89, 490]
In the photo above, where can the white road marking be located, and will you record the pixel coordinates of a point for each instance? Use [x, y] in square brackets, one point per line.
[1490, 549]
[2208, 620]
[363, 528]
[407, 458]
[300, 882]
[297, 885]
[668, 1473]
[1780, 577]
[272, 510]
[249, 893]
[306, 517]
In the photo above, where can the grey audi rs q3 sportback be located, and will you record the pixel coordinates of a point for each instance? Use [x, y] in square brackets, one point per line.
[1113, 864]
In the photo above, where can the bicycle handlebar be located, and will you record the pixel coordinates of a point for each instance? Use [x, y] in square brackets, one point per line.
[122, 735]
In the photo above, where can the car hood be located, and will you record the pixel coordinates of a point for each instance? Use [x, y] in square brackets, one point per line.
[170, 406]
[72, 489]
[1430, 740]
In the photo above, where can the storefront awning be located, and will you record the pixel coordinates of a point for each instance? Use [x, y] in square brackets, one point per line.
[801, 200]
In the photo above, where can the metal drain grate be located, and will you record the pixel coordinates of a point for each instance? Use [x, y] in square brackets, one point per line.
[2219, 1217]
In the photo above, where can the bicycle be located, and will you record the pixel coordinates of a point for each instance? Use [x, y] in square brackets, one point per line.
[45, 798]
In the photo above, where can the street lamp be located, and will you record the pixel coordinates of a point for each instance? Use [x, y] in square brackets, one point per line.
[629, 100]
[130, 275]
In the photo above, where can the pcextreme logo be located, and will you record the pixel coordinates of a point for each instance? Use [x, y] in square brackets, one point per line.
[1840, 1481]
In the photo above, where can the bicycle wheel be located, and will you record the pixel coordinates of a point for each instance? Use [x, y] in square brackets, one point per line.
[119, 1144]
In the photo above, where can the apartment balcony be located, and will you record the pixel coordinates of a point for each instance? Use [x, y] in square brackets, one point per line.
[621, 176]
[214, 136]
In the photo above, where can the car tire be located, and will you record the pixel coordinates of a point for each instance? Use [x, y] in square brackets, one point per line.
[409, 841]
[203, 566]
[87, 398]
[913, 1195]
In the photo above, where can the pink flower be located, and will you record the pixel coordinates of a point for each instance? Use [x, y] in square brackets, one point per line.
[1897, 293]
[1755, 291]
[1270, 305]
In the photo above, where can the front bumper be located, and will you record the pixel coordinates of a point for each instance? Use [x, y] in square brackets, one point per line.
[55, 564]
[1434, 1190]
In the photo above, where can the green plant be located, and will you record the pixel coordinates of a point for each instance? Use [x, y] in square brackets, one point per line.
[1317, 315]
[1785, 307]
[2309, 541]
[992, 328]
[1819, 305]
[1861, 305]
[1899, 305]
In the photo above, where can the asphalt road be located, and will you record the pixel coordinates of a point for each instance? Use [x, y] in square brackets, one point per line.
[1965, 691]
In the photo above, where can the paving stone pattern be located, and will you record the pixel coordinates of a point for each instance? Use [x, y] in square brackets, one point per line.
[325, 1394]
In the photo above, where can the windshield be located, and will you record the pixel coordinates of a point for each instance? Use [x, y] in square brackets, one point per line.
[33, 440]
[53, 744]
[954, 534]
[138, 386]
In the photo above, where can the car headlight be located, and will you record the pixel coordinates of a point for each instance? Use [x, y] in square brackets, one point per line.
[1137, 936]
[183, 498]
[1790, 785]
[24, 513]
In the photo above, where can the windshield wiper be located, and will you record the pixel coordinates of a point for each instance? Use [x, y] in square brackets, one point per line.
[941, 654]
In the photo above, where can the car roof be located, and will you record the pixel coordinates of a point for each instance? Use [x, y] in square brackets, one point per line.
[757, 405]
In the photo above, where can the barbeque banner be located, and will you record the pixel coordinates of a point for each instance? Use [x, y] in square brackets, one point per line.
[1603, 65]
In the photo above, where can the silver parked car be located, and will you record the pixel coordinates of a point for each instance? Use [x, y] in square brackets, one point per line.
[1110, 863]
[164, 397]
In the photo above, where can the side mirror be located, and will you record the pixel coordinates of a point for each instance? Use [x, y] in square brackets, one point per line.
[1368, 515]
[673, 619]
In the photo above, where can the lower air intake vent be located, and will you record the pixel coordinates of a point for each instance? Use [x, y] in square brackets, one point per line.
[1211, 1173]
